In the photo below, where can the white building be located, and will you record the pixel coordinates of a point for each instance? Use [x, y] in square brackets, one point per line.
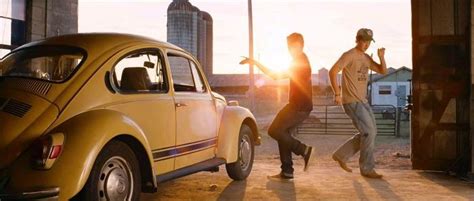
[392, 88]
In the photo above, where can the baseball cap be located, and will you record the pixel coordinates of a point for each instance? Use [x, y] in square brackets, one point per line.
[365, 34]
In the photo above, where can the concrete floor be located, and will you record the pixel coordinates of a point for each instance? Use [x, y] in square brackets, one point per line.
[317, 184]
[324, 181]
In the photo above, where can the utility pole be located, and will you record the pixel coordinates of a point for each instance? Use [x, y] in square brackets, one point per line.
[251, 91]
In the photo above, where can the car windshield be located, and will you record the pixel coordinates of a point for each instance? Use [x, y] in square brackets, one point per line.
[50, 63]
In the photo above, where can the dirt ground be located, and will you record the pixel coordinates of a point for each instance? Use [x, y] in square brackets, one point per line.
[324, 181]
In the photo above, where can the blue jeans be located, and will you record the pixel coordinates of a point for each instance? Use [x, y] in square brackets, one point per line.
[363, 119]
[285, 121]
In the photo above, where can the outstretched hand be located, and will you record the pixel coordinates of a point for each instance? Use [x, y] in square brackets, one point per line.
[246, 60]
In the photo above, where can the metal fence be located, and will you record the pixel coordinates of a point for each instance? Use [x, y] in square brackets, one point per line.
[331, 120]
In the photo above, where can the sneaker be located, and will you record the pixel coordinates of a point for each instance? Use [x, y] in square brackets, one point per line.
[372, 174]
[308, 155]
[283, 177]
[341, 163]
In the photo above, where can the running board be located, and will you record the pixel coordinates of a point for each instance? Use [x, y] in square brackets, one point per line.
[198, 167]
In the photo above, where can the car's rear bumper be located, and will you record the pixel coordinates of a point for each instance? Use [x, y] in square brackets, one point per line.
[43, 194]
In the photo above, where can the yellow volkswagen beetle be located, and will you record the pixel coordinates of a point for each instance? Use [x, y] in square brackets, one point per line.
[107, 116]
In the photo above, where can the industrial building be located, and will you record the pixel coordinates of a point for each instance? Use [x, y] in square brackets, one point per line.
[23, 21]
[191, 29]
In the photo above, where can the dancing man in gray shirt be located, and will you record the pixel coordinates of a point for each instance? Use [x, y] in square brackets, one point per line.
[355, 65]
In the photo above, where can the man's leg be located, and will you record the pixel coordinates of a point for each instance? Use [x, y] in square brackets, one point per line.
[352, 145]
[364, 120]
[280, 129]
[349, 148]
[307, 152]
[292, 121]
[369, 126]
[277, 129]
[286, 159]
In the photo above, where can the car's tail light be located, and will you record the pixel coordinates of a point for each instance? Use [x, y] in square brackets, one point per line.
[46, 150]
[55, 151]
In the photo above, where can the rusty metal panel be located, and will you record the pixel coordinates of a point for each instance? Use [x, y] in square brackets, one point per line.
[424, 17]
[439, 90]
[463, 26]
[445, 145]
[471, 24]
[442, 15]
[441, 75]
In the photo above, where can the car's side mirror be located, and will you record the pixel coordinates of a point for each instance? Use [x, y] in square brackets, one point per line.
[149, 64]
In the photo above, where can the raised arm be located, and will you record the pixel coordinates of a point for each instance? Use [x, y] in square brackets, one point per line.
[382, 67]
[267, 71]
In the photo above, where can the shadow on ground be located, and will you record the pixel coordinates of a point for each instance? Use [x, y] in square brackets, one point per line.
[324, 181]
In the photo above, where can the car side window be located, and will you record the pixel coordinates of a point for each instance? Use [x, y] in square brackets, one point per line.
[141, 72]
[200, 87]
[181, 72]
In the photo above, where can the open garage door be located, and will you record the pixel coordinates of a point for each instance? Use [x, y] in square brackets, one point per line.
[441, 84]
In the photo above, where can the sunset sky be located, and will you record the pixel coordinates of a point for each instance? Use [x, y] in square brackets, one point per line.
[329, 27]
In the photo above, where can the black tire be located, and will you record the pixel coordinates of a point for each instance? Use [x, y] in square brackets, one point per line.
[115, 164]
[241, 169]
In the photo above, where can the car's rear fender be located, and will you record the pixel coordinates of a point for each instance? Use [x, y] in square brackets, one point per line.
[85, 136]
[232, 120]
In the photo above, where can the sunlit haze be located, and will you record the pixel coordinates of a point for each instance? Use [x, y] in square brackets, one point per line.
[329, 27]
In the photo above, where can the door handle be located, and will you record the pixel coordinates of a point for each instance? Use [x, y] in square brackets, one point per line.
[180, 104]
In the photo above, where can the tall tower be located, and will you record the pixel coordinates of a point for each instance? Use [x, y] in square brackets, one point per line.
[323, 77]
[191, 29]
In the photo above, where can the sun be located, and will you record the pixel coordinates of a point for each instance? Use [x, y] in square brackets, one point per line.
[276, 58]
[272, 49]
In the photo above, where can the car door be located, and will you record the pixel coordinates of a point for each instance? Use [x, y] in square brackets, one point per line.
[141, 80]
[196, 123]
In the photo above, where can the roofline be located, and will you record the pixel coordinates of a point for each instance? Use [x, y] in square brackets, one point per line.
[391, 73]
[131, 38]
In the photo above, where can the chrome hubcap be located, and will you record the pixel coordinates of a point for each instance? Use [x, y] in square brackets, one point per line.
[245, 153]
[115, 180]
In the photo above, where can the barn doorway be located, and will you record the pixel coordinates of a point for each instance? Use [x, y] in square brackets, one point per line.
[441, 138]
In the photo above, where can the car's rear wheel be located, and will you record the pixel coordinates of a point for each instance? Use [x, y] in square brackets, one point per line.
[241, 169]
[115, 175]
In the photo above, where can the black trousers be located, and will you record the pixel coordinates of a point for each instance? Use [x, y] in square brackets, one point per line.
[285, 121]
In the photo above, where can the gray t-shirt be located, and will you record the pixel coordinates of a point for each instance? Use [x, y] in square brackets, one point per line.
[355, 67]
